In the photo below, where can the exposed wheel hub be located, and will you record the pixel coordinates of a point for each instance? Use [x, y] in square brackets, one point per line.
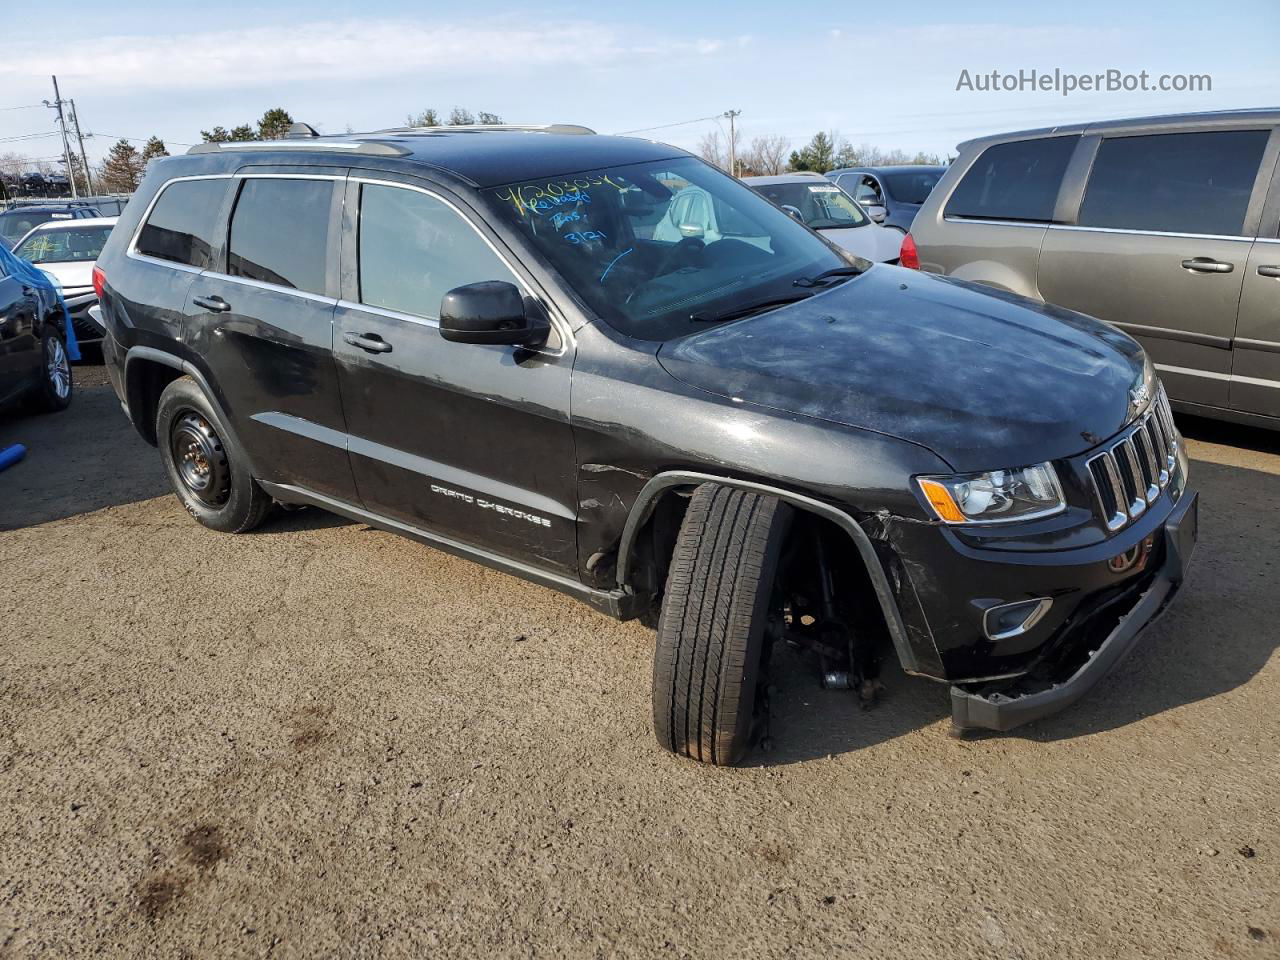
[199, 458]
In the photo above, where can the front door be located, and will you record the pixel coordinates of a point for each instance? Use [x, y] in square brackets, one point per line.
[262, 321]
[471, 442]
[1159, 248]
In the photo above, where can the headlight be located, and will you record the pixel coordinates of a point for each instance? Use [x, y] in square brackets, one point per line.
[1142, 389]
[997, 496]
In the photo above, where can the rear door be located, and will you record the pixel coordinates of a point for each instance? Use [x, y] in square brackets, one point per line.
[1159, 244]
[262, 322]
[469, 441]
[1255, 368]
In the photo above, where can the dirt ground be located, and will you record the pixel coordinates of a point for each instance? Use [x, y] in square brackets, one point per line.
[322, 740]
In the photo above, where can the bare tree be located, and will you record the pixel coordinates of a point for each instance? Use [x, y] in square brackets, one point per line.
[767, 156]
[714, 148]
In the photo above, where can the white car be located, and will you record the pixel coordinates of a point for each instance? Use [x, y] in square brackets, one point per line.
[67, 251]
[821, 205]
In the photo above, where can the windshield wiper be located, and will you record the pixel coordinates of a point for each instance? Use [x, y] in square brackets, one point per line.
[740, 312]
[849, 271]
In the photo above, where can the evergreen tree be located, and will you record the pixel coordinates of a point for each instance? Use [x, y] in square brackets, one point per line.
[153, 148]
[121, 169]
[427, 118]
[275, 123]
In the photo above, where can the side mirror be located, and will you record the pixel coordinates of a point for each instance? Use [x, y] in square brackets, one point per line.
[875, 211]
[793, 212]
[492, 311]
[691, 230]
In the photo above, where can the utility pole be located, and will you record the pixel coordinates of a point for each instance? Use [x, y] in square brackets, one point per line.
[75, 119]
[62, 126]
[733, 158]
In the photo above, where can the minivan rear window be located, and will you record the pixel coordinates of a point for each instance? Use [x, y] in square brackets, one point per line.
[182, 224]
[280, 232]
[1174, 182]
[1013, 181]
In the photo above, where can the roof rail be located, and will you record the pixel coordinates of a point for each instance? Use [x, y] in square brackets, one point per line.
[564, 128]
[318, 144]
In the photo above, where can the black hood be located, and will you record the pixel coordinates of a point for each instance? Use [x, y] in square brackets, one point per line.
[983, 378]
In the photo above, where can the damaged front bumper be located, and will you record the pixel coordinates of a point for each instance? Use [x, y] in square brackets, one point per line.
[1005, 706]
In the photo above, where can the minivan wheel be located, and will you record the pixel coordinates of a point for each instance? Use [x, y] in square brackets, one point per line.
[711, 633]
[54, 390]
[208, 472]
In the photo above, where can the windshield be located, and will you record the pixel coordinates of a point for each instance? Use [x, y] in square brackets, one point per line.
[822, 206]
[64, 245]
[657, 249]
[913, 187]
[14, 224]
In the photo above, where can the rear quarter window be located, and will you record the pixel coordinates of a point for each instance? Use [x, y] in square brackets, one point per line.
[1175, 182]
[1013, 181]
[182, 224]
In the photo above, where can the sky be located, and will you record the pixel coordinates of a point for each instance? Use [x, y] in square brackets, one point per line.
[884, 74]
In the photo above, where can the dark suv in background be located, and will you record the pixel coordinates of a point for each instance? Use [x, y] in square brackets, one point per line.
[890, 195]
[492, 340]
[1166, 227]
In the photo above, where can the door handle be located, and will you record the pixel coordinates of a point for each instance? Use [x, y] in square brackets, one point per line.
[216, 304]
[1269, 270]
[1207, 265]
[370, 341]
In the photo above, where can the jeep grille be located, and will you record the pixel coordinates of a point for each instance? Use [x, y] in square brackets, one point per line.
[1132, 470]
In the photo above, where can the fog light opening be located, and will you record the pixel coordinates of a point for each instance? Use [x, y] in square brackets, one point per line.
[1014, 619]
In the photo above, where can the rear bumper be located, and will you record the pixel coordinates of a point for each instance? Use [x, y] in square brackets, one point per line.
[1004, 709]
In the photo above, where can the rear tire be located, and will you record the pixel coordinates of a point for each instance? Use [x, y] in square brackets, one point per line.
[209, 473]
[710, 642]
[53, 392]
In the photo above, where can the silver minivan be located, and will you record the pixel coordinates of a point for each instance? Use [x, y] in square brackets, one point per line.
[1166, 227]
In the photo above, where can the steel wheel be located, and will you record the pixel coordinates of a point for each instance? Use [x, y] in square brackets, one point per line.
[200, 459]
[57, 368]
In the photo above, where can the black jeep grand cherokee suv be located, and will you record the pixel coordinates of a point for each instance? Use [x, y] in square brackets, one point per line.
[523, 347]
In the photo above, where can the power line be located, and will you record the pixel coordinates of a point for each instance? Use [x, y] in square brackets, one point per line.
[28, 136]
[25, 106]
[664, 126]
[103, 133]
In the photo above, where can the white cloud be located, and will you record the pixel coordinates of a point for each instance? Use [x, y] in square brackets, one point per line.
[342, 50]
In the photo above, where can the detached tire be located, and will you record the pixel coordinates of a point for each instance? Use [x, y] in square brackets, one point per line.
[209, 474]
[711, 632]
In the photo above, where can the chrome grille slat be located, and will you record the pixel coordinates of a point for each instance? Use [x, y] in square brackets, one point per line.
[1131, 472]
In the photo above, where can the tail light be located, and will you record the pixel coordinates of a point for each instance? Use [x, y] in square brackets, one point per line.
[99, 280]
[907, 256]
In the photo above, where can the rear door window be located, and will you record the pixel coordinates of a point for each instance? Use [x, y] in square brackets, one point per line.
[1014, 181]
[1175, 182]
[182, 224]
[280, 232]
[413, 249]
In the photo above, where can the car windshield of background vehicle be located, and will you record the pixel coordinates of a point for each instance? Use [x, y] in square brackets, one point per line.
[1014, 181]
[654, 248]
[16, 224]
[64, 245]
[822, 206]
[913, 187]
[1174, 183]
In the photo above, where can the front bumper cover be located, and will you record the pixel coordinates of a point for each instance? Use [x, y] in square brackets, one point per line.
[1008, 709]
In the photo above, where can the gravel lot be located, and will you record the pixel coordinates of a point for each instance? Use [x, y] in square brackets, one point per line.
[322, 740]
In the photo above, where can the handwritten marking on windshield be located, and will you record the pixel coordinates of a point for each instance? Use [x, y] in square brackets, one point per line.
[538, 198]
[613, 261]
[585, 236]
